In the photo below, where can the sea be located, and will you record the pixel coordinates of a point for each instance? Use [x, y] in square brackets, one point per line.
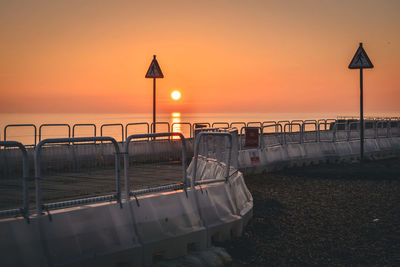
[26, 134]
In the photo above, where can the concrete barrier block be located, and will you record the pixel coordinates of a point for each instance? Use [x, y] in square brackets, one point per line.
[341, 136]
[165, 218]
[275, 154]
[384, 144]
[20, 243]
[328, 149]
[355, 147]
[326, 136]
[271, 140]
[244, 159]
[240, 194]
[343, 148]
[85, 234]
[395, 141]
[312, 150]
[295, 151]
[370, 145]
[218, 211]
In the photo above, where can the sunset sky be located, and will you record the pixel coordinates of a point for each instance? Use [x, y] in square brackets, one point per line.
[224, 56]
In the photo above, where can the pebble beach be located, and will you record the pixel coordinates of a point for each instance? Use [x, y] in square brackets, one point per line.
[324, 215]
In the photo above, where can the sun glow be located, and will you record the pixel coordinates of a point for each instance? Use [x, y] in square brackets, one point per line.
[176, 95]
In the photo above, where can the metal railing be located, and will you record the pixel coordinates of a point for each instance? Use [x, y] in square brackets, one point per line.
[328, 130]
[113, 124]
[257, 123]
[54, 125]
[20, 125]
[279, 136]
[84, 124]
[353, 126]
[297, 122]
[62, 204]
[237, 123]
[224, 125]
[382, 125]
[392, 125]
[183, 185]
[196, 155]
[315, 131]
[134, 124]
[24, 211]
[312, 121]
[322, 122]
[340, 131]
[198, 126]
[183, 123]
[267, 124]
[283, 123]
[264, 123]
[154, 125]
[290, 128]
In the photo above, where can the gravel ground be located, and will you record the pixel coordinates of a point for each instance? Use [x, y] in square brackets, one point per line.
[335, 215]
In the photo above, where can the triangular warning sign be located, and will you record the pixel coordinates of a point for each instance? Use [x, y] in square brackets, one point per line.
[154, 70]
[361, 60]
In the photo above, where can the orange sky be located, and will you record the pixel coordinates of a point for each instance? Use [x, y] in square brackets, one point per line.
[233, 56]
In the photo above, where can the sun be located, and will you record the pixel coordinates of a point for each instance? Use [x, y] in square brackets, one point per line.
[176, 95]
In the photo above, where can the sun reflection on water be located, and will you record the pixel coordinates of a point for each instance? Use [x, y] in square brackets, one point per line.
[176, 126]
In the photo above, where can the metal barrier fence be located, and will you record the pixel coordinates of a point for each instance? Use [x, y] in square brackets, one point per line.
[307, 133]
[354, 131]
[287, 135]
[182, 123]
[283, 123]
[282, 133]
[37, 160]
[135, 124]
[113, 124]
[237, 123]
[84, 124]
[24, 210]
[256, 123]
[328, 130]
[198, 126]
[265, 123]
[340, 131]
[271, 139]
[21, 125]
[223, 125]
[183, 185]
[154, 124]
[54, 125]
[196, 156]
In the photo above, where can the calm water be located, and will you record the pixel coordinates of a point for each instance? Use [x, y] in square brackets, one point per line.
[25, 134]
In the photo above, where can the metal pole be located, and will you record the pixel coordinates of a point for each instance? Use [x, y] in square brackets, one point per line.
[154, 105]
[38, 198]
[361, 118]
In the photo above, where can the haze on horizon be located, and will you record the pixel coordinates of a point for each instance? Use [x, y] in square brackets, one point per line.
[224, 56]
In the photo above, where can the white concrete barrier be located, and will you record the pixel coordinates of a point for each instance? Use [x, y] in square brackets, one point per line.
[293, 154]
[168, 225]
[146, 229]
[95, 235]
[225, 207]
